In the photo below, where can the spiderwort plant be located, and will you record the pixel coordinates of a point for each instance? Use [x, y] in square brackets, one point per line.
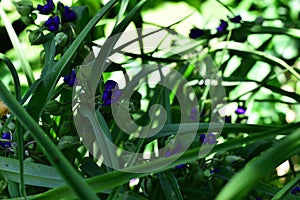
[54, 113]
[59, 15]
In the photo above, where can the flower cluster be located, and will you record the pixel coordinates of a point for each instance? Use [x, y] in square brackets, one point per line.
[111, 93]
[62, 14]
[5, 144]
[196, 32]
[70, 79]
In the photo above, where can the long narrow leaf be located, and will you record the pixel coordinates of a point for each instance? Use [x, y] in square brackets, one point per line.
[34, 174]
[14, 74]
[17, 47]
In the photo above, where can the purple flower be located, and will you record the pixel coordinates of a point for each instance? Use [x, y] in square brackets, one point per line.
[214, 170]
[194, 114]
[295, 190]
[111, 93]
[236, 19]
[175, 151]
[241, 110]
[6, 136]
[52, 23]
[110, 85]
[208, 138]
[68, 15]
[195, 33]
[47, 8]
[70, 79]
[227, 119]
[223, 26]
[180, 166]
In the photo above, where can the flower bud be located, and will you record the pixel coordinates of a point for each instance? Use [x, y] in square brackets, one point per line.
[61, 39]
[36, 37]
[24, 7]
[53, 107]
[42, 57]
[67, 142]
[27, 20]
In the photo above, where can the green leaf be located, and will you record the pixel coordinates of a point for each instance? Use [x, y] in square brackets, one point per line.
[169, 185]
[34, 174]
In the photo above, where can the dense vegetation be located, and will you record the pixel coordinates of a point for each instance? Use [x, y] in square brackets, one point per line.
[150, 99]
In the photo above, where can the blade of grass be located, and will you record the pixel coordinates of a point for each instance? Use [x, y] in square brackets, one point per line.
[17, 47]
[72, 178]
